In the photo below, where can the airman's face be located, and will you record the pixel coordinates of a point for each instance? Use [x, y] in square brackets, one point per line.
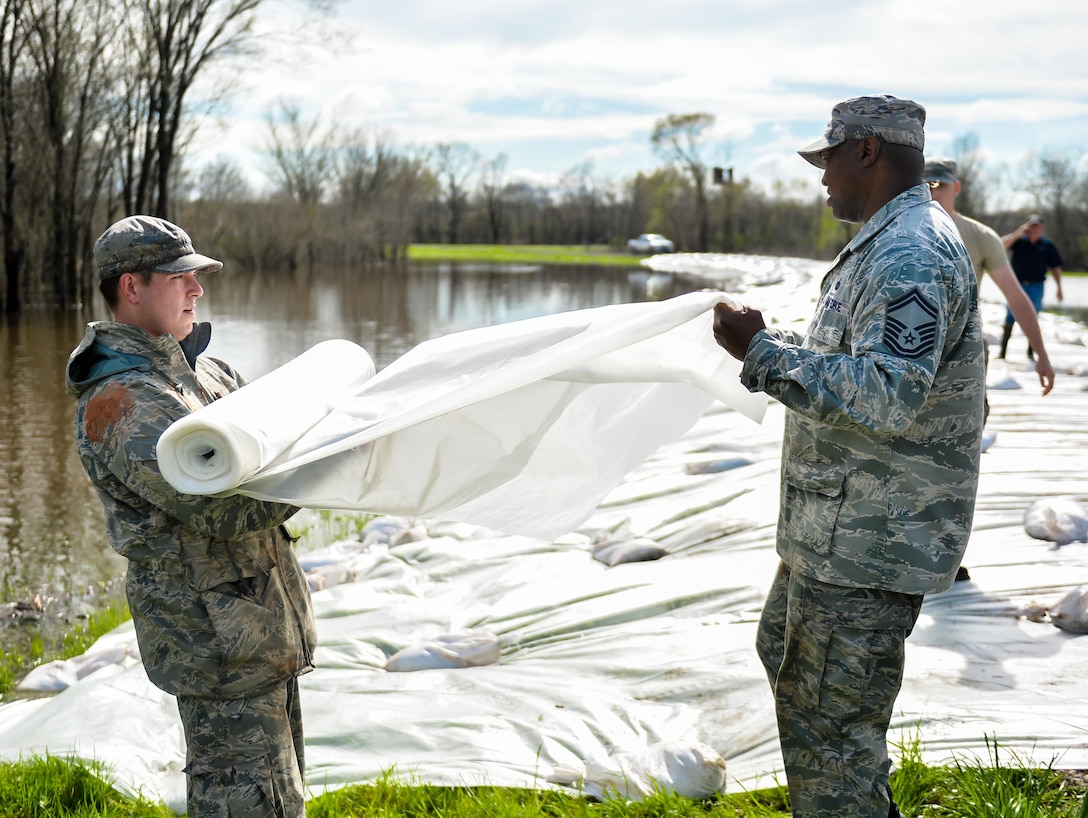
[167, 304]
[841, 179]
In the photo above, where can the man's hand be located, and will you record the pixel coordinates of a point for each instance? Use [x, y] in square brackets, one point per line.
[1045, 372]
[734, 329]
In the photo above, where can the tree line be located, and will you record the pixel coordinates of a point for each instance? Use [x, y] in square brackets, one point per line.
[97, 109]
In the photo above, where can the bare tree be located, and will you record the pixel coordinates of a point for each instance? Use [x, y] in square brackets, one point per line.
[492, 185]
[972, 196]
[580, 201]
[678, 138]
[1054, 182]
[524, 202]
[303, 164]
[456, 163]
[173, 42]
[401, 199]
[363, 170]
[12, 42]
[222, 193]
[66, 41]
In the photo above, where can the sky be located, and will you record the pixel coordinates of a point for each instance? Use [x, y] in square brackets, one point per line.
[559, 85]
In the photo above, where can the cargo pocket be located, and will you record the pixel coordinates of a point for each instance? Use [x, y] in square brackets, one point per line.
[810, 508]
[254, 628]
[846, 672]
[240, 778]
[259, 639]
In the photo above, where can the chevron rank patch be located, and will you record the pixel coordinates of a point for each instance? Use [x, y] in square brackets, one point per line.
[910, 327]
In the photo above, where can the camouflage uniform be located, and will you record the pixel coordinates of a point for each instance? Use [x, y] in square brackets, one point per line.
[879, 474]
[219, 601]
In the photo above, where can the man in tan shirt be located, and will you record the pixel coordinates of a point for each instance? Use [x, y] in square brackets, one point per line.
[988, 256]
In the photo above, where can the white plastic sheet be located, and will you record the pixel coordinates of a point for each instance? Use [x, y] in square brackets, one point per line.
[602, 667]
[520, 427]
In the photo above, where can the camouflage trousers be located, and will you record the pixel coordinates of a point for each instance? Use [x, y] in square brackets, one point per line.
[245, 756]
[834, 657]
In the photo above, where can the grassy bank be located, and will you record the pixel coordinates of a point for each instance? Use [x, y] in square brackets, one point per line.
[30, 642]
[48, 787]
[523, 254]
[543, 254]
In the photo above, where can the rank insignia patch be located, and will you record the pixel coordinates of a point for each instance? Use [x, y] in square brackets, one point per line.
[910, 327]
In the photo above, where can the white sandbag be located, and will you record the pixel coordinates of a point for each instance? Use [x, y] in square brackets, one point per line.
[691, 769]
[1060, 520]
[116, 650]
[519, 427]
[448, 650]
[1070, 613]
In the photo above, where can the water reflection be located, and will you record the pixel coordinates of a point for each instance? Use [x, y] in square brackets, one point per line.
[50, 519]
[263, 320]
[51, 527]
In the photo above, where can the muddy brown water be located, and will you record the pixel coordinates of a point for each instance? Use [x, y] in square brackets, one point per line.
[52, 541]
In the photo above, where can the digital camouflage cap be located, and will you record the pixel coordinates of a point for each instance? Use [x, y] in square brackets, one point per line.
[890, 119]
[147, 243]
[939, 170]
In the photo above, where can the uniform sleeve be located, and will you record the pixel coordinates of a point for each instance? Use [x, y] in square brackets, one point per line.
[123, 423]
[868, 364]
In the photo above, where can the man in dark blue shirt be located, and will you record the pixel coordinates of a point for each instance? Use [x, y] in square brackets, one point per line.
[1032, 254]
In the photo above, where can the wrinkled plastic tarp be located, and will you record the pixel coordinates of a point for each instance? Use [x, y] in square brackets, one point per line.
[520, 427]
[603, 663]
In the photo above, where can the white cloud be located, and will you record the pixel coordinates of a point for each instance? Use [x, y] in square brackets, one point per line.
[533, 78]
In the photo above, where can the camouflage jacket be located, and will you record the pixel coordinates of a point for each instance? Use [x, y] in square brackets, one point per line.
[219, 601]
[884, 394]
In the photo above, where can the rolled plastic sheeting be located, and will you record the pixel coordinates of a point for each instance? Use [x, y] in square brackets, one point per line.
[221, 447]
[520, 427]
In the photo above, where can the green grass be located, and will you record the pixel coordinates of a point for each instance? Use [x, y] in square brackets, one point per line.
[47, 787]
[523, 254]
[970, 789]
[325, 526]
[602, 254]
[389, 797]
[964, 789]
[33, 642]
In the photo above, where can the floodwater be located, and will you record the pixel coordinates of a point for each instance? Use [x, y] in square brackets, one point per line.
[52, 540]
[51, 526]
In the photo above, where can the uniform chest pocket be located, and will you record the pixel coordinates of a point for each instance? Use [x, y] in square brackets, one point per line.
[813, 497]
[829, 324]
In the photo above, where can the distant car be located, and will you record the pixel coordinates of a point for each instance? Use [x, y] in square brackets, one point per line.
[650, 243]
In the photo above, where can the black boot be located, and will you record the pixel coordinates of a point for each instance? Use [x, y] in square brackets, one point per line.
[1006, 334]
[893, 809]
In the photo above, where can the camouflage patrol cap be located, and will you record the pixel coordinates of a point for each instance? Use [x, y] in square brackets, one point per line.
[888, 118]
[147, 243]
[940, 169]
